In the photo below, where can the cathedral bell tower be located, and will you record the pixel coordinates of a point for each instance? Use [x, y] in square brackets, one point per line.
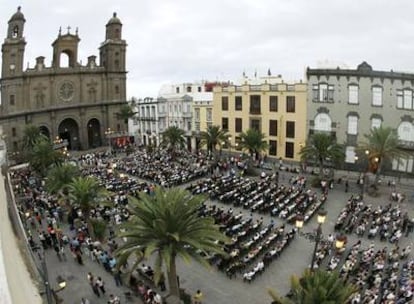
[13, 47]
[66, 44]
[113, 49]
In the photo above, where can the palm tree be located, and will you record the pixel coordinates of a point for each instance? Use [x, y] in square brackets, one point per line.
[43, 155]
[86, 193]
[321, 149]
[60, 176]
[253, 141]
[214, 136]
[126, 112]
[319, 286]
[31, 134]
[382, 144]
[172, 138]
[168, 224]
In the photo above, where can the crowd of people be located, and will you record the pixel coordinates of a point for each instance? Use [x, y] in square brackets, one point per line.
[166, 169]
[263, 195]
[389, 223]
[254, 245]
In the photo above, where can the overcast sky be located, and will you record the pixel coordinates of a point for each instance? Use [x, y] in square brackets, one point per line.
[174, 41]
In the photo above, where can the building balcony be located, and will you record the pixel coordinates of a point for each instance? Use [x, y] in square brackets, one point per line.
[147, 118]
[406, 144]
[255, 112]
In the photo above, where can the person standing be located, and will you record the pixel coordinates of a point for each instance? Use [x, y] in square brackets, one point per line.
[95, 288]
[117, 277]
[198, 297]
[85, 301]
[101, 284]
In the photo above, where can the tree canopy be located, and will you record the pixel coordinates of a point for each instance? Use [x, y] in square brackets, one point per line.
[319, 286]
[382, 145]
[167, 224]
[214, 136]
[173, 138]
[321, 149]
[60, 176]
[43, 156]
[253, 141]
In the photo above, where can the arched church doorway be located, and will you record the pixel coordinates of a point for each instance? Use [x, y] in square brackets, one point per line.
[94, 133]
[69, 130]
[45, 131]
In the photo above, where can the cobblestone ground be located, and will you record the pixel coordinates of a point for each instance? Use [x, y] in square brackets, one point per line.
[217, 287]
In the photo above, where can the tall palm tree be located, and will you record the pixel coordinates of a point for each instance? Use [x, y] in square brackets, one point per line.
[85, 193]
[43, 155]
[320, 287]
[168, 225]
[60, 176]
[214, 136]
[322, 148]
[173, 138]
[382, 144]
[31, 134]
[125, 112]
[253, 141]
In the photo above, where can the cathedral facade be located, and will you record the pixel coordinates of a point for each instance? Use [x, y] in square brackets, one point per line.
[67, 100]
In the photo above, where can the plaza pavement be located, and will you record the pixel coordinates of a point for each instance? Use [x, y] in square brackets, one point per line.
[215, 285]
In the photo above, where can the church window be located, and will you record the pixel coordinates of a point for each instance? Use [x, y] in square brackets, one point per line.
[13, 132]
[117, 33]
[11, 100]
[116, 64]
[116, 89]
[15, 31]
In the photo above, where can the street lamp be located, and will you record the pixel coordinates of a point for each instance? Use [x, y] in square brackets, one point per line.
[51, 294]
[318, 237]
[108, 134]
[340, 242]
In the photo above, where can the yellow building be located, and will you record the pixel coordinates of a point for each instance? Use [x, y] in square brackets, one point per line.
[275, 108]
[202, 118]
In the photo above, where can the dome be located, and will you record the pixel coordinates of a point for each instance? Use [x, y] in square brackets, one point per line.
[17, 15]
[114, 20]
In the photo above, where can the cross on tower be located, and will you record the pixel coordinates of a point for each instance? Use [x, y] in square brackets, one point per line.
[68, 29]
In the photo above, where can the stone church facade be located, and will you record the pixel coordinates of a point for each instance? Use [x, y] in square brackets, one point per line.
[75, 102]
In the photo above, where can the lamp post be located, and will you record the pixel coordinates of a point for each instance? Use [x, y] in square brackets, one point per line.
[51, 294]
[108, 134]
[318, 237]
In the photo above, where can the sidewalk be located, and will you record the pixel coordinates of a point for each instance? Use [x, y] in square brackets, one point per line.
[16, 285]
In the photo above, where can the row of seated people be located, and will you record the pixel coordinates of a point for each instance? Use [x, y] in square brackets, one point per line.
[364, 220]
[375, 275]
[250, 239]
[272, 254]
[263, 195]
[165, 169]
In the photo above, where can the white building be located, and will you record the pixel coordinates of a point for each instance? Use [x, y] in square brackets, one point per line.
[172, 107]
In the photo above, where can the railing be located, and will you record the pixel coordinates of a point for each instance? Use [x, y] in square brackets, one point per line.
[406, 144]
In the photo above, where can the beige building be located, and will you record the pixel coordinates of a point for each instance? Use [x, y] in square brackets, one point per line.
[76, 102]
[268, 104]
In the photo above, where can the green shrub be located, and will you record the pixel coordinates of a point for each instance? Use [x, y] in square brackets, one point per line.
[315, 182]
